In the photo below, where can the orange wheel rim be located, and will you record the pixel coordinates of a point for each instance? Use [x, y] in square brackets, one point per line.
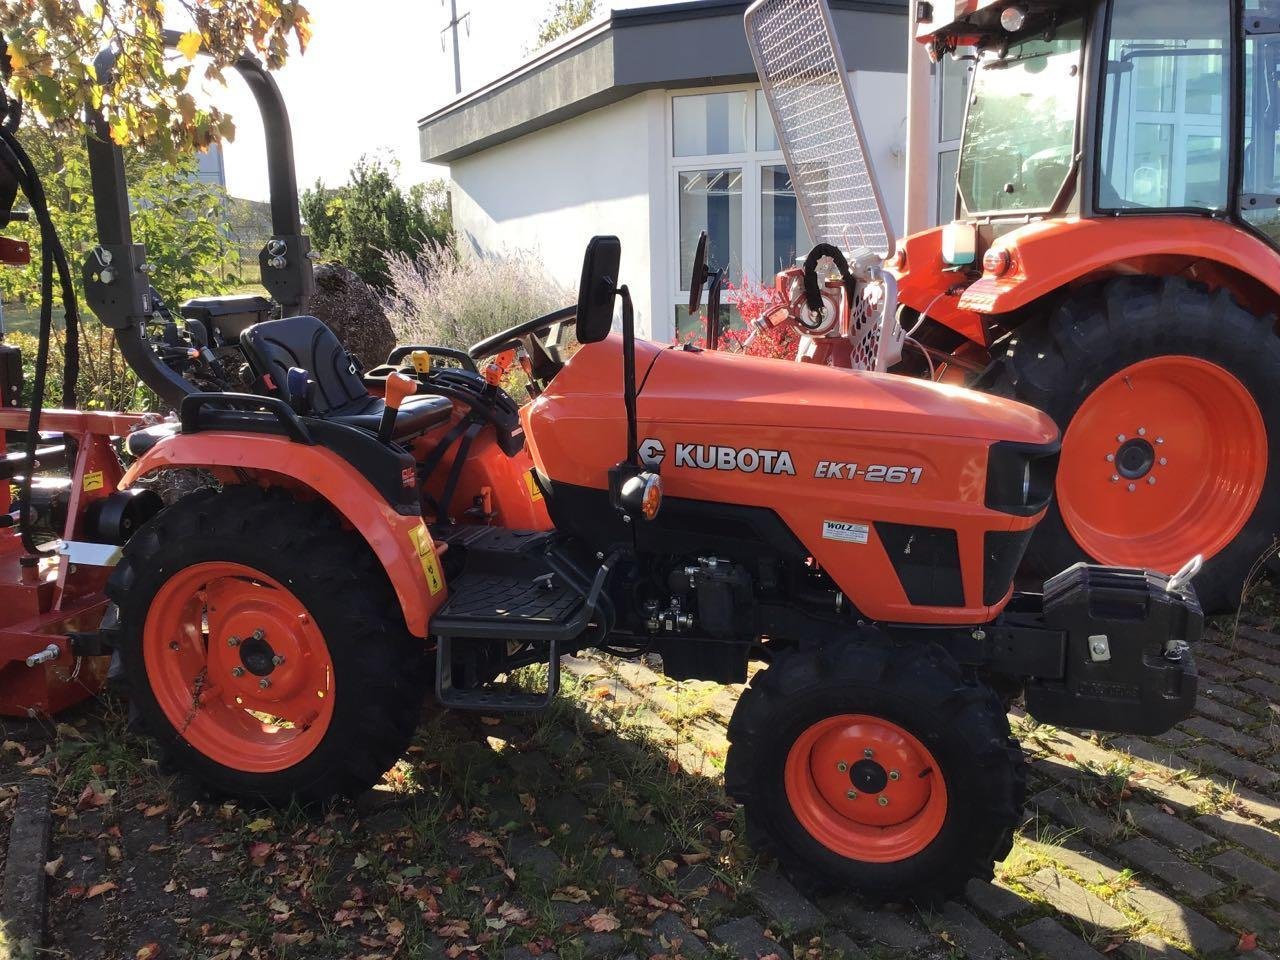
[865, 788]
[238, 667]
[1163, 461]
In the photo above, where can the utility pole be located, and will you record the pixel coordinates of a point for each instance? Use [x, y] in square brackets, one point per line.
[454, 22]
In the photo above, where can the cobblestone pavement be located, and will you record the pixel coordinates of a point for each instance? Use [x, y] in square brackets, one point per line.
[601, 830]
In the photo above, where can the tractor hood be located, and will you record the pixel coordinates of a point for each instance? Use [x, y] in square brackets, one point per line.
[733, 390]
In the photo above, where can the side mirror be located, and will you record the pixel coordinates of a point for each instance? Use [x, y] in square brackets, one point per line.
[598, 288]
[698, 278]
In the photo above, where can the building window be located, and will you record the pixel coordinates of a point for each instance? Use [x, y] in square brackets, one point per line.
[950, 101]
[729, 178]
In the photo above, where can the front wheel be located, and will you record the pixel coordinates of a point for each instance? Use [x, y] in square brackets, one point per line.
[263, 647]
[876, 767]
[1166, 395]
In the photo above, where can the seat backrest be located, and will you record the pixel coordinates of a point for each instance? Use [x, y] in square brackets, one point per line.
[274, 346]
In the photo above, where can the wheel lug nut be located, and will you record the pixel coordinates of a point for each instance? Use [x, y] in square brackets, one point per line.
[1142, 431]
[1133, 487]
[258, 635]
[1120, 438]
[173, 644]
[1111, 458]
[1151, 481]
[1115, 477]
[842, 766]
[264, 683]
[852, 794]
[868, 753]
[303, 618]
[1164, 462]
[884, 801]
[237, 671]
[233, 641]
[1159, 439]
[277, 660]
[894, 775]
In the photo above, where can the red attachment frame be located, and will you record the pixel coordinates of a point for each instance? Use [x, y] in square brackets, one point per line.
[43, 600]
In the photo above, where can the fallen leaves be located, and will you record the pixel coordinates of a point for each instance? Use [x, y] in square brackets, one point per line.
[98, 889]
[198, 893]
[571, 895]
[602, 921]
[52, 867]
[260, 825]
[148, 952]
[1248, 943]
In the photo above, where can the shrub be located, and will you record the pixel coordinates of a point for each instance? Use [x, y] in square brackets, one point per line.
[440, 298]
[753, 301]
[106, 382]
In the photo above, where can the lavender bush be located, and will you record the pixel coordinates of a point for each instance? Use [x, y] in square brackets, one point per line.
[439, 297]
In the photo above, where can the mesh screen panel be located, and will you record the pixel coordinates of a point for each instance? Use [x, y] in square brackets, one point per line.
[803, 75]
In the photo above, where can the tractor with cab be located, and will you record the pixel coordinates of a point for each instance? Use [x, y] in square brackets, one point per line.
[369, 538]
[1113, 260]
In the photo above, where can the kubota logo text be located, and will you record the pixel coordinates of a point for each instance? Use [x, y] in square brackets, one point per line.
[700, 456]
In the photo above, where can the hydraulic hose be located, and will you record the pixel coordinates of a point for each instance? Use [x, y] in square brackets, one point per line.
[52, 256]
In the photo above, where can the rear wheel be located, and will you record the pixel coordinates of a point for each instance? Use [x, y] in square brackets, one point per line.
[264, 647]
[877, 768]
[1166, 395]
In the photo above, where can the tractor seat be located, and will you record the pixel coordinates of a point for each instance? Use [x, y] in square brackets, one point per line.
[335, 390]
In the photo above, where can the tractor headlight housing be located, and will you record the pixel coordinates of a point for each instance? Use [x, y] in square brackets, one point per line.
[1020, 477]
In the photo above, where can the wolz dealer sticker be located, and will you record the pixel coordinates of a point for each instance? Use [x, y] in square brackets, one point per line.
[846, 532]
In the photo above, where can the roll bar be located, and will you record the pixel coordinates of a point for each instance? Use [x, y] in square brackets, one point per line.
[116, 272]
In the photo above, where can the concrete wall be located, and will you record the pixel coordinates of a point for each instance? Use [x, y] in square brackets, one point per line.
[553, 190]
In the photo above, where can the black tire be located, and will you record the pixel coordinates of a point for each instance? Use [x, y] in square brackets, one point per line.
[919, 688]
[1055, 361]
[379, 669]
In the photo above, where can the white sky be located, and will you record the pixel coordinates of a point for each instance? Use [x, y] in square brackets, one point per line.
[373, 68]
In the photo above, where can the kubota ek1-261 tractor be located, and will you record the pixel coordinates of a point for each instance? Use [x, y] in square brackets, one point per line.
[371, 538]
[1114, 259]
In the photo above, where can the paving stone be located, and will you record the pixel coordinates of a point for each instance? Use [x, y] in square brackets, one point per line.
[1173, 831]
[1269, 671]
[1239, 866]
[570, 913]
[1169, 867]
[1076, 814]
[522, 953]
[1161, 754]
[972, 936]
[1178, 920]
[1261, 646]
[1253, 917]
[1263, 688]
[702, 878]
[997, 902]
[1248, 834]
[1070, 898]
[620, 871]
[1229, 737]
[23, 899]
[843, 945]
[595, 946]
[1209, 705]
[1049, 939]
[882, 926]
[1091, 866]
[746, 938]
[672, 935]
[1216, 671]
[1150, 947]
[530, 857]
[784, 904]
[1229, 763]
[1262, 806]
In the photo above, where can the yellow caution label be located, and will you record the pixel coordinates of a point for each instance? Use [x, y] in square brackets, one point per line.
[535, 491]
[422, 545]
[93, 481]
[421, 361]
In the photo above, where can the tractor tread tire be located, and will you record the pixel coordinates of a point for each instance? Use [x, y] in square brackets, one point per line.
[1053, 362]
[921, 688]
[380, 669]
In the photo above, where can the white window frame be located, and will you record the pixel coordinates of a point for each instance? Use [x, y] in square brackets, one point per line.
[940, 145]
[750, 162]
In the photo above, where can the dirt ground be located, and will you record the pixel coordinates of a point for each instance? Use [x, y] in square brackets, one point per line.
[601, 830]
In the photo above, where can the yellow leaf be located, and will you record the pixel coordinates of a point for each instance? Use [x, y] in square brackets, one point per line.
[189, 44]
[262, 823]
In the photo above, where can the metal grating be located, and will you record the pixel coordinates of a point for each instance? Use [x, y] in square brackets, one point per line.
[802, 71]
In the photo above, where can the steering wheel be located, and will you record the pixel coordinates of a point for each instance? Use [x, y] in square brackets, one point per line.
[512, 336]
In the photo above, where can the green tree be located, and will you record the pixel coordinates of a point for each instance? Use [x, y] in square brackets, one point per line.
[370, 216]
[562, 17]
[52, 45]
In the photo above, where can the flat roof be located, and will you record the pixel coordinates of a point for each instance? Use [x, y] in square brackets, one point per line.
[691, 44]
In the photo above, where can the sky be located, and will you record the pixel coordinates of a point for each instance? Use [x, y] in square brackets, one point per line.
[372, 69]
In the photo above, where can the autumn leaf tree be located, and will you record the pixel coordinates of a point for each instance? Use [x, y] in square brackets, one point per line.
[564, 16]
[53, 46]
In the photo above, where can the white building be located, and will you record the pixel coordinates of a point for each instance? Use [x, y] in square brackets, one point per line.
[649, 124]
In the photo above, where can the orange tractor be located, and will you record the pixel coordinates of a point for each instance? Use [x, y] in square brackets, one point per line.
[1114, 258]
[366, 538]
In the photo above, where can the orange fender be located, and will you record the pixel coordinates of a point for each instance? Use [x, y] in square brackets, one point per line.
[1047, 256]
[401, 543]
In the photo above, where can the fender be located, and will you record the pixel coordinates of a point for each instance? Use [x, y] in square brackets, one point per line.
[1047, 256]
[248, 457]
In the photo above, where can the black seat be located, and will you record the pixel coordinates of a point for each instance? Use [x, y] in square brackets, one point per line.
[336, 392]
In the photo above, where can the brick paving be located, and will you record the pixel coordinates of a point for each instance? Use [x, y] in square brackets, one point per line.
[512, 837]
